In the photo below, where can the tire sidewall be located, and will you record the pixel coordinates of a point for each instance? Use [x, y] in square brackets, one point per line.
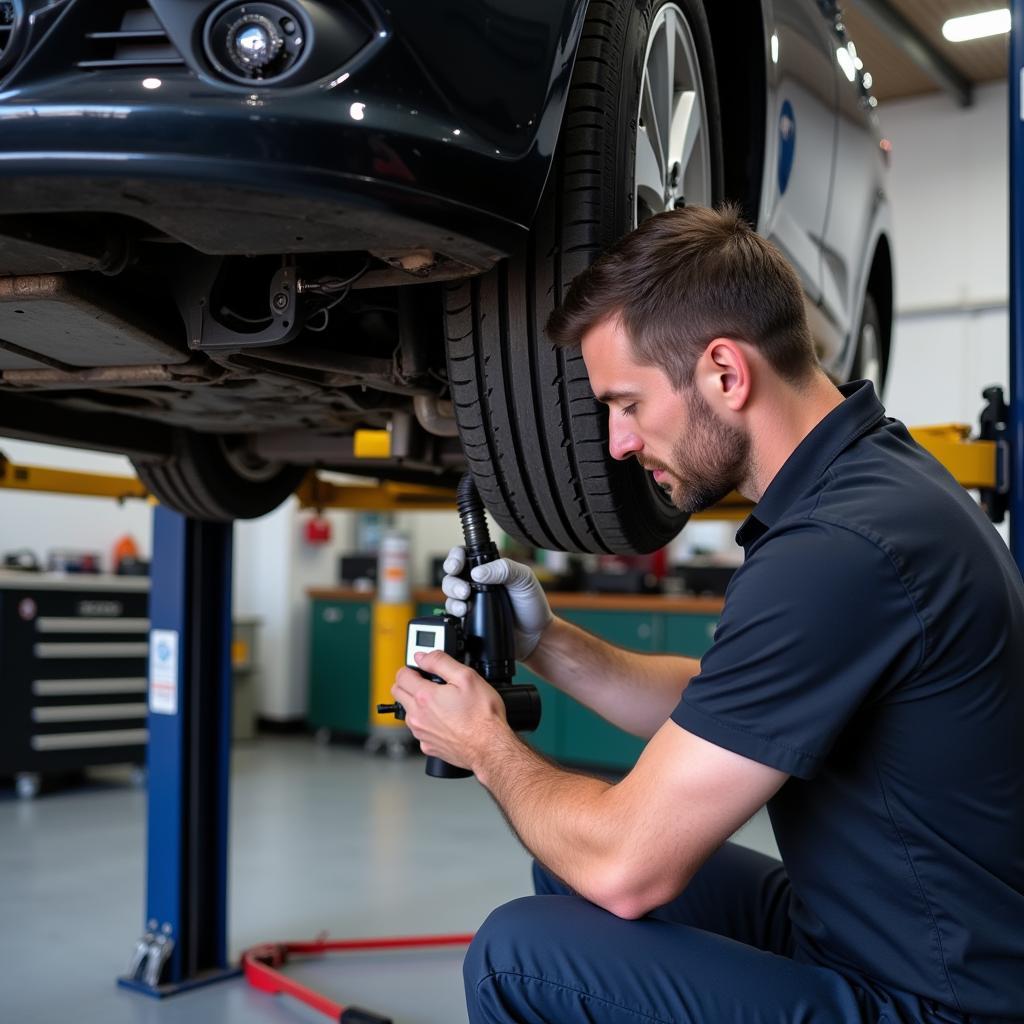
[199, 482]
[222, 488]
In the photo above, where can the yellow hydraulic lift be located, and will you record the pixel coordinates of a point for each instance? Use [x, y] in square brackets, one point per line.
[973, 463]
[316, 492]
[61, 481]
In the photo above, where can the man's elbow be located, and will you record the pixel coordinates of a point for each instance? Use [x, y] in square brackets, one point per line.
[627, 907]
[627, 894]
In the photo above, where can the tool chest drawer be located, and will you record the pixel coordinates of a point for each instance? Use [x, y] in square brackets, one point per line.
[73, 664]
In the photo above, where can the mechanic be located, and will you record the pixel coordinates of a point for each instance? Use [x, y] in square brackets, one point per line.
[865, 682]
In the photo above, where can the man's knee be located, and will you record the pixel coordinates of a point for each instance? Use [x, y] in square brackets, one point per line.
[524, 945]
[496, 949]
[501, 940]
[560, 958]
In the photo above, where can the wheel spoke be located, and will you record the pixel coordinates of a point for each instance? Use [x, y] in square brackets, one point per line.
[649, 180]
[656, 78]
[649, 116]
[668, 83]
[686, 127]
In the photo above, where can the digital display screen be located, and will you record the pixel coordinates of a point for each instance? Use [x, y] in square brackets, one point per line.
[425, 638]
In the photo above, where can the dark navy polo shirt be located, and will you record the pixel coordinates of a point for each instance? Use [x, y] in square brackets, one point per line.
[872, 646]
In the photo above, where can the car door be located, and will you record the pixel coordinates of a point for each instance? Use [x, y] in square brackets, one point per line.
[800, 146]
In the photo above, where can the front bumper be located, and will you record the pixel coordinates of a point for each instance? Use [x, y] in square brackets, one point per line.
[389, 152]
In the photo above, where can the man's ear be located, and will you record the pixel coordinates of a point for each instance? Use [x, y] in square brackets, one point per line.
[725, 373]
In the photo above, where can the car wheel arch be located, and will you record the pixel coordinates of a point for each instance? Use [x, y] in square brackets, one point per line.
[877, 285]
[880, 288]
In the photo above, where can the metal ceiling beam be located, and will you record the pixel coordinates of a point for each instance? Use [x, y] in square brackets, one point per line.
[919, 49]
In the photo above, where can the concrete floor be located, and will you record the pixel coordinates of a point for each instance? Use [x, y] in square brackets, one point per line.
[323, 838]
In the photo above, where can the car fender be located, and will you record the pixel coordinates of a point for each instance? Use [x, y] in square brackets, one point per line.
[504, 68]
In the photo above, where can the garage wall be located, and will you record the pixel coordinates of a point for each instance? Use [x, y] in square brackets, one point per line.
[949, 189]
[46, 521]
[273, 568]
[949, 192]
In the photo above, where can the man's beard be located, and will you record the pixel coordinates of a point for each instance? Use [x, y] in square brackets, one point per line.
[708, 462]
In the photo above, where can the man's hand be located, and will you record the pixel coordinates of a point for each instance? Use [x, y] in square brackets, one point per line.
[529, 603]
[456, 722]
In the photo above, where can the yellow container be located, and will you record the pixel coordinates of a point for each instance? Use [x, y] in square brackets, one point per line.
[387, 656]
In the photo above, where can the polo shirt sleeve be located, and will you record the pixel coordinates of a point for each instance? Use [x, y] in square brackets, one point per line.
[817, 623]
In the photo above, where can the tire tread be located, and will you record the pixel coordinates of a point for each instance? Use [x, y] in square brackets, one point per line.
[535, 438]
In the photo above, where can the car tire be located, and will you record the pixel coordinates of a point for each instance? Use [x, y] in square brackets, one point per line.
[535, 439]
[208, 478]
[869, 361]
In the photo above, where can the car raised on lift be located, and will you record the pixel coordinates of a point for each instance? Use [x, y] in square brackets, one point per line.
[234, 234]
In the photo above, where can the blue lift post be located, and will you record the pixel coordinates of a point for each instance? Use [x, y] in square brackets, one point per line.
[1015, 425]
[184, 943]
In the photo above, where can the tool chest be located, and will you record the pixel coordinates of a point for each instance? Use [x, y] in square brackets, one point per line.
[73, 671]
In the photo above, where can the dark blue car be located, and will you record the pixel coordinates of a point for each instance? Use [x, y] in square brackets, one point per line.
[233, 234]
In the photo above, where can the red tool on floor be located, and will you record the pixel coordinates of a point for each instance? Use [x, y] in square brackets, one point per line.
[262, 969]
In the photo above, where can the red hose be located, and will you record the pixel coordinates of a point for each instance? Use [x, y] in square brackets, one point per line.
[261, 965]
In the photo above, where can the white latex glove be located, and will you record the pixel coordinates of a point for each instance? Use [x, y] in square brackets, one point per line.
[529, 603]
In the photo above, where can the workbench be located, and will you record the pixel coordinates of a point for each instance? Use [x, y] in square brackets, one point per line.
[341, 620]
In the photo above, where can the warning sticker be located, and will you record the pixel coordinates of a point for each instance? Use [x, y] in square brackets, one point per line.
[163, 671]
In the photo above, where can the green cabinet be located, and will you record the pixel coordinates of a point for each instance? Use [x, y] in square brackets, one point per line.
[574, 734]
[339, 665]
[686, 634]
[547, 737]
[586, 738]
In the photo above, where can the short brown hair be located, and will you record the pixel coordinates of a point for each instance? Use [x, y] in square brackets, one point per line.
[683, 278]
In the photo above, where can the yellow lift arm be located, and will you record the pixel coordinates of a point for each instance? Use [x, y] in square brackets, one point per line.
[62, 481]
[973, 463]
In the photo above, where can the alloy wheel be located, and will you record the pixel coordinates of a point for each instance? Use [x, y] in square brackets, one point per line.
[869, 357]
[244, 462]
[673, 155]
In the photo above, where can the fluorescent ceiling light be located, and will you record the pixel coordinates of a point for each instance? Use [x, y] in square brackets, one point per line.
[977, 26]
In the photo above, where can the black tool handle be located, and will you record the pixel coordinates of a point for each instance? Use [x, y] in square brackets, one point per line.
[357, 1015]
[438, 769]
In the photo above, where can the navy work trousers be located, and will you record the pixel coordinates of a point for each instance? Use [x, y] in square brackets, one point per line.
[722, 952]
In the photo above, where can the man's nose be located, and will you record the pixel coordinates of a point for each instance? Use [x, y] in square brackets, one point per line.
[622, 441]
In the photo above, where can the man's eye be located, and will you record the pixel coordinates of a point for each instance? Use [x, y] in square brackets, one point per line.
[629, 410]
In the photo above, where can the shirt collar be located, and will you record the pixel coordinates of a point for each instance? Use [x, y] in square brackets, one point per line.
[852, 418]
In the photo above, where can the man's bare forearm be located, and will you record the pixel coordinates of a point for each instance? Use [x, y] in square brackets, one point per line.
[556, 814]
[635, 691]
